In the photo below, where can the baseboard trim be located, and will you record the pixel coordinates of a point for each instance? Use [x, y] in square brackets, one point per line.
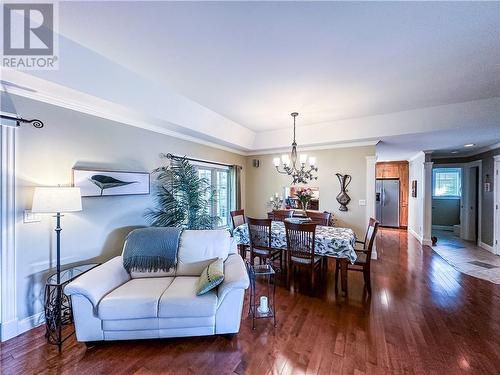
[8, 330]
[16, 327]
[427, 242]
[415, 234]
[485, 246]
[30, 322]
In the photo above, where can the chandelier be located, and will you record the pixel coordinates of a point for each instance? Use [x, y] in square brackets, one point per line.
[300, 174]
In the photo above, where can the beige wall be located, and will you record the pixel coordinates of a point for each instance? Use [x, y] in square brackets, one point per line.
[264, 181]
[47, 156]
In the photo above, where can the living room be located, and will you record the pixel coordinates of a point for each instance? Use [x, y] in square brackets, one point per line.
[281, 117]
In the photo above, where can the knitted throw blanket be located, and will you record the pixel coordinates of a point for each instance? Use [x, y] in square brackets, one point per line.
[151, 249]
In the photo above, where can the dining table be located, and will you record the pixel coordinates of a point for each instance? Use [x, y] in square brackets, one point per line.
[334, 242]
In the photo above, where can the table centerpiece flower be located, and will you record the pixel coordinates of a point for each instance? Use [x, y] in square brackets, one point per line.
[304, 195]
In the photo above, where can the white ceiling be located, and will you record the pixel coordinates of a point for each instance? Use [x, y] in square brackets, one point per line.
[254, 63]
[441, 143]
[231, 72]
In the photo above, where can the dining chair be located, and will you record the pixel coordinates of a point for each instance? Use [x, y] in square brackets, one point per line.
[320, 218]
[259, 233]
[364, 256]
[281, 215]
[238, 218]
[300, 240]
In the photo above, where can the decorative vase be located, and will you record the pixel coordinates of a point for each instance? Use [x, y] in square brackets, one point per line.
[304, 205]
[342, 197]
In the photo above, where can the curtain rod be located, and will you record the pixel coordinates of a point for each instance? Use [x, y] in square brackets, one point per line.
[36, 123]
[171, 156]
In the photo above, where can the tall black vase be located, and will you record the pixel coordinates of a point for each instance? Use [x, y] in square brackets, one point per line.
[343, 198]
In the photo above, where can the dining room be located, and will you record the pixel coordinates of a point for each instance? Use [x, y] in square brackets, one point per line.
[310, 230]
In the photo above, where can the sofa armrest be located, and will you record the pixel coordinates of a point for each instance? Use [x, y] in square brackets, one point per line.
[99, 281]
[235, 276]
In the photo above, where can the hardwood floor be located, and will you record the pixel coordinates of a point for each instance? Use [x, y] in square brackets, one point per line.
[424, 317]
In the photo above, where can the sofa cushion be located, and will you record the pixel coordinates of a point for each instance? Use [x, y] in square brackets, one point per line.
[199, 248]
[136, 299]
[210, 277]
[180, 300]
[140, 275]
[130, 324]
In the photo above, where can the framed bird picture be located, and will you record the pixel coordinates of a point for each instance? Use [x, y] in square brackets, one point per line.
[100, 183]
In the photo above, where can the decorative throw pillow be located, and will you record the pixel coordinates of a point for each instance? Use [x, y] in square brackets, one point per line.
[211, 276]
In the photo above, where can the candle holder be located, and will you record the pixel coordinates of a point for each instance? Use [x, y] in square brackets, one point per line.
[266, 307]
[276, 202]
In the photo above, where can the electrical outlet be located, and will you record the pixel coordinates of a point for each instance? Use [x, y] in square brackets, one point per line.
[362, 202]
[30, 217]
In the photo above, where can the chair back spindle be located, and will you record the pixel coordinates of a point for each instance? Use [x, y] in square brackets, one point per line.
[259, 233]
[371, 233]
[300, 240]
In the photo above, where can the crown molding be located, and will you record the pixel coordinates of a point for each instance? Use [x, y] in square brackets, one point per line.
[328, 146]
[25, 85]
[115, 113]
[31, 87]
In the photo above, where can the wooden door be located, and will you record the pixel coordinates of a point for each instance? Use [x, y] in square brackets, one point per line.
[404, 190]
[399, 170]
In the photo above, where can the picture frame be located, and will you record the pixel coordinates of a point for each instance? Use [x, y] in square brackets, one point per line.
[414, 188]
[104, 183]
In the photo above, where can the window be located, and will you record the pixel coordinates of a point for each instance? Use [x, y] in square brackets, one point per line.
[447, 182]
[219, 179]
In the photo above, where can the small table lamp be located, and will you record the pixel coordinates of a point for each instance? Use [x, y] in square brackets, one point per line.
[57, 200]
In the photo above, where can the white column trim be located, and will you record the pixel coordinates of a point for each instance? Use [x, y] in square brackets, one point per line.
[8, 302]
[427, 201]
[370, 194]
[496, 204]
[370, 187]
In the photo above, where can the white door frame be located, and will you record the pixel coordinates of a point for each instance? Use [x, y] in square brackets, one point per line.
[463, 200]
[465, 226]
[496, 204]
[370, 195]
[8, 301]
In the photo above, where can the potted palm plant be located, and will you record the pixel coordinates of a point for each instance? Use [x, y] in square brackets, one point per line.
[183, 198]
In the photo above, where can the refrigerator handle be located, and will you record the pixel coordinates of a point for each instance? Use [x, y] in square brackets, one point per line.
[383, 196]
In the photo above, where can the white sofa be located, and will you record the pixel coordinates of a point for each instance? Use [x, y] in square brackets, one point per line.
[111, 304]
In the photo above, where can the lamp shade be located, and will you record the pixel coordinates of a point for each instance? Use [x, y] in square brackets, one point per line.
[56, 199]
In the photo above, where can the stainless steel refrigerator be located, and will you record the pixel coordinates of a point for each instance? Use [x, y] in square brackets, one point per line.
[387, 202]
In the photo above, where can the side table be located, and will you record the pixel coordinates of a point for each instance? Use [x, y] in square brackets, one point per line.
[58, 305]
[268, 272]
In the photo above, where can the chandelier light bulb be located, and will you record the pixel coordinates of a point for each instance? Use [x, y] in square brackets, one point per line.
[294, 165]
[284, 159]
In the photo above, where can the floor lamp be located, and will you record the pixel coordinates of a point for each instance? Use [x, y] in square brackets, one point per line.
[57, 200]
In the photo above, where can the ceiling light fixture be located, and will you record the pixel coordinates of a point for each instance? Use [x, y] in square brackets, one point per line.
[470, 145]
[301, 174]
